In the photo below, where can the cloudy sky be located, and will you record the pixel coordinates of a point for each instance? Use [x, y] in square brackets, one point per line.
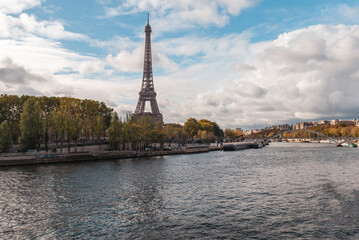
[242, 63]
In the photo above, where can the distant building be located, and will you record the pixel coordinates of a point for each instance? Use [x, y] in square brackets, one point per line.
[284, 127]
[303, 125]
[323, 122]
[334, 122]
[248, 132]
[352, 122]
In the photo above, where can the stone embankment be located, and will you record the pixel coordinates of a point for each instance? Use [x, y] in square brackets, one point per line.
[23, 159]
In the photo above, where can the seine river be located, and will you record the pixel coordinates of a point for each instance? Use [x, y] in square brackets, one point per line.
[284, 191]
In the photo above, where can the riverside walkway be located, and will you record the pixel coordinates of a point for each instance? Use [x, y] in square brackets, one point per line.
[44, 158]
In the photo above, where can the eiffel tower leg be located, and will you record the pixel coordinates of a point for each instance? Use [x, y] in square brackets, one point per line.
[139, 106]
[154, 106]
[143, 106]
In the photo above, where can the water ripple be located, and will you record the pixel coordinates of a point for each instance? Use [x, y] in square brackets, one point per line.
[283, 191]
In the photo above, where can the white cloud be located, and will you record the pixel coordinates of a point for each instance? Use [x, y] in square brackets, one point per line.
[34, 58]
[41, 56]
[232, 45]
[115, 44]
[127, 61]
[35, 44]
[88, 67]
[183, 14]
[26, 25]
[17, 6]
[349, 12]
[307, 73]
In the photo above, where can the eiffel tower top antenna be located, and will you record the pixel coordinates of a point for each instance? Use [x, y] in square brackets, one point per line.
[148, 18]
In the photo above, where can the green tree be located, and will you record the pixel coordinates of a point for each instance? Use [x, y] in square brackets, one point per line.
[72, 120]
[46, 124]
[173, 132]
[11, 107]
[218, 132]
[106, 113]
[30, 125]
[59, 125]
[159, 135]
[115, 132]
[146, 126]
[133, 134]
[5, 137]
[90, 112]
[99, 129]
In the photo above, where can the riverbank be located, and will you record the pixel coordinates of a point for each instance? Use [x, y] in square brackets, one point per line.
[23, 159]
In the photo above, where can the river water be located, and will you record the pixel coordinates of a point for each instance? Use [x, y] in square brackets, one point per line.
[284, 191]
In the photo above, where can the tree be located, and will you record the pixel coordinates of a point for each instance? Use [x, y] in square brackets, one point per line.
[334, 132]
[59, 125]
[159, 135]
[72, 120]
[173, 132]
[286, 134]
[146, 126]
[218, 132]
[90, 112]
[115, 132]
[344, 132]
[354, 132]
[46, 124]
[206, 125]
[99, 129]
[5, 137]
[191, 127]
[133, 133]
[229, 133]
[212, 130]
[202, 134]
[11, 107]
[271, 134]
[30, 125]
[105, 113]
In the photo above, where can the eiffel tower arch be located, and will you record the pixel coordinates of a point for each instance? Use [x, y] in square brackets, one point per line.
[147, 93]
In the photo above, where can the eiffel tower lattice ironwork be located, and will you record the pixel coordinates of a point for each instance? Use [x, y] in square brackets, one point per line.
[147, 92]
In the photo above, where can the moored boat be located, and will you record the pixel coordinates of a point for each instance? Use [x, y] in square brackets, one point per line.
[196, 148]
[237, 146]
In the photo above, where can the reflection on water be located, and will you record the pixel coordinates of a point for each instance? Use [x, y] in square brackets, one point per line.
[278, 192]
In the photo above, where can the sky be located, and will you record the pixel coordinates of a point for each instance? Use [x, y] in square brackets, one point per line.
[241, 63]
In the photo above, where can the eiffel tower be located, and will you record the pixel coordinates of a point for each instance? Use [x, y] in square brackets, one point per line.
[147, 92]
